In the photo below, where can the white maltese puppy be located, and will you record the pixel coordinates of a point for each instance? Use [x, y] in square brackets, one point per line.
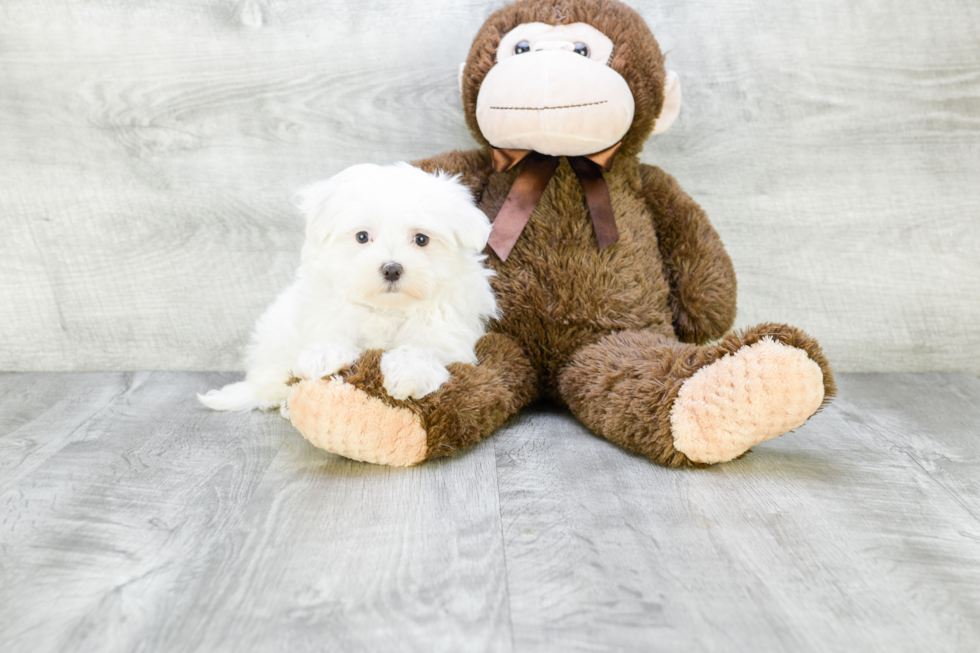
[391, 261]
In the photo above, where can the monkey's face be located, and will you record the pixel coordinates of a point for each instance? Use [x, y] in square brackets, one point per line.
[567, 77]
[552, 91]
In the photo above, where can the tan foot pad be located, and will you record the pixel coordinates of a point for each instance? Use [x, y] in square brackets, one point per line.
[757, 393]
[339, 418]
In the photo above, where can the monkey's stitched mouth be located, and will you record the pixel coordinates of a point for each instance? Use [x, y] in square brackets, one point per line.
[569, 106]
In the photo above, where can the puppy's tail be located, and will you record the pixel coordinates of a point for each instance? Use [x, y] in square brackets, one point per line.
[234, 396]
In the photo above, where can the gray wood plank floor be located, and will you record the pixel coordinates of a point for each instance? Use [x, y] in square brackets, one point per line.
[132, 519]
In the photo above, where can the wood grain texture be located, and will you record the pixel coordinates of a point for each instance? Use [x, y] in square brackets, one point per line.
[858, 532]
[148, 153]
[104, 533]
[338, 555]
[42, 413]
[831, 144]
[162, 526]
[144, 522]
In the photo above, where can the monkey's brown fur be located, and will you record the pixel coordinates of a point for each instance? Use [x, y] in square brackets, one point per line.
[612, 334]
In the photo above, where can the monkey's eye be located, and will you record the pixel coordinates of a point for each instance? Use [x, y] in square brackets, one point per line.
[362, 237]
[421, 240]
[582, 49]
[522, 47]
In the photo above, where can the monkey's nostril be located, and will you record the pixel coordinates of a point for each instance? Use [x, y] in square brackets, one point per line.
[391, 271]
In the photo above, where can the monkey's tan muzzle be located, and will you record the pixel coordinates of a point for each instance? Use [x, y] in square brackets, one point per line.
[554, 102]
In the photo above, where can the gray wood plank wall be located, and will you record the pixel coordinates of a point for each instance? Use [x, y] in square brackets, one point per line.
[148, 153]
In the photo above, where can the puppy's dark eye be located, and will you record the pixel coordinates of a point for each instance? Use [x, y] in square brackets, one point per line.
[421, 240]
[582, 49]
[522, 47]
[362, 237]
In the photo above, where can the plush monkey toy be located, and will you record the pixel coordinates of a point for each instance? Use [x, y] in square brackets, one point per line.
[611, 280]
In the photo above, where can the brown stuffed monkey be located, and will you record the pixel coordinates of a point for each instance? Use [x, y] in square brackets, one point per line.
[610, 279]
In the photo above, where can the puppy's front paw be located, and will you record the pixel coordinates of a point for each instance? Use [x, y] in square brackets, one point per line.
[322, 359]
[412, 372]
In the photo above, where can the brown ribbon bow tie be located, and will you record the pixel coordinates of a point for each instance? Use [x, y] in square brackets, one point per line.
[530, 184]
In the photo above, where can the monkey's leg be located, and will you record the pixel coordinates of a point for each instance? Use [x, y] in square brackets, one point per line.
[353, 415]
[681, 404]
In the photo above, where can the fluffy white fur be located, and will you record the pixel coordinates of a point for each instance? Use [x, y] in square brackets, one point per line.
[341, 304]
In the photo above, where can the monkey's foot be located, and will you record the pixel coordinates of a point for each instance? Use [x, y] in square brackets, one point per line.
[353, 415]
[340, 418]
[752, 395]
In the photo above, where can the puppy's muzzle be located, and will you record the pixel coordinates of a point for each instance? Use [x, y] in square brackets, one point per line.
[391, 272]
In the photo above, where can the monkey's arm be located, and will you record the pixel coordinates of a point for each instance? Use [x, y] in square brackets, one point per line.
[473, 166]
[698, 269]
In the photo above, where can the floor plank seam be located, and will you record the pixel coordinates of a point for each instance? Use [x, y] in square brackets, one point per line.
[503, 547]
[945, 489]
[41, 455]
[265, 472]
[885, 433]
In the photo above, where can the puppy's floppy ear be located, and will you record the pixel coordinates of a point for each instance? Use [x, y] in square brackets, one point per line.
[315, 201]
[469, 224]
[472, 229]
[322, 202]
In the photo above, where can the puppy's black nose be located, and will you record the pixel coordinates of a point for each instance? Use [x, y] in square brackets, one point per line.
[391, 271]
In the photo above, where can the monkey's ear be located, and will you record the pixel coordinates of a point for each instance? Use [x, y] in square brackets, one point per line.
[672, 103]
[462, 66]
